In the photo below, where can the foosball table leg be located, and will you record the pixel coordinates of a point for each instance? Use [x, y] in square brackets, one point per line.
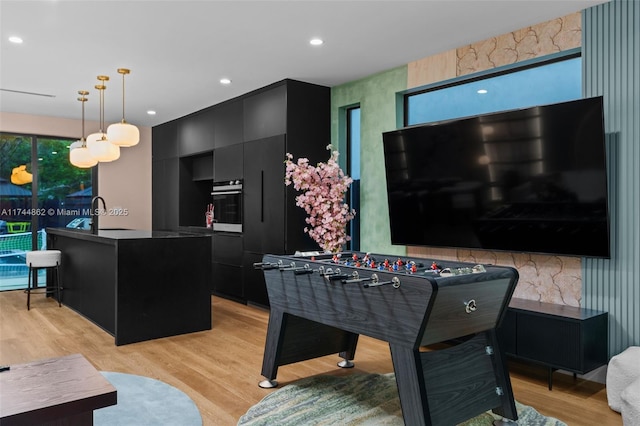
[349, 354]
[268, 384]
[452, 385]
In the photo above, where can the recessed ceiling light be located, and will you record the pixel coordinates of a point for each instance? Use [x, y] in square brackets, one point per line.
[225, 81]
[151, 112]
[316, 41]
[15, 39]
[482, 91]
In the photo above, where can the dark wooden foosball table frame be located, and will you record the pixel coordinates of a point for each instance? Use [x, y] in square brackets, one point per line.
[319, 307]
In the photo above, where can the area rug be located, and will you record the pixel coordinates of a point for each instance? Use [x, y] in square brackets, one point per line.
[358, 399]
[145, 401]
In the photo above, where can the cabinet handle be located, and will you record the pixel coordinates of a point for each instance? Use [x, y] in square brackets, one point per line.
[261, 195]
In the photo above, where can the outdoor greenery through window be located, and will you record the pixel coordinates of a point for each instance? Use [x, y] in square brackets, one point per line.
[537, 82]
[39, 188]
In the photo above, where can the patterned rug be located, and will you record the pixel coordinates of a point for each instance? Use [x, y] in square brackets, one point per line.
[359, 399]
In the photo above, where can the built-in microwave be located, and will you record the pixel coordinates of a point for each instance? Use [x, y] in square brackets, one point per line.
[227, 206]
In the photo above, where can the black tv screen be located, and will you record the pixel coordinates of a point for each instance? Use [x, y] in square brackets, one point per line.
[530, 180]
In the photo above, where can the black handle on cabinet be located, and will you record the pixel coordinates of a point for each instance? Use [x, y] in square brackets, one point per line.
[261, 195]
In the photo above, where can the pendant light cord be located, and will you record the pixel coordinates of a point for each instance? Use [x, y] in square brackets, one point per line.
[83, 99]
[123, 98]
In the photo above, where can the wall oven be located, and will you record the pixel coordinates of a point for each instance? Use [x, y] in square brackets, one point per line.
[227, 206]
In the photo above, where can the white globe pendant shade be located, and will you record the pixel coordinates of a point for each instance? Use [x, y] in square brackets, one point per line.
[123, 134]
[101, 148]
[80, 156]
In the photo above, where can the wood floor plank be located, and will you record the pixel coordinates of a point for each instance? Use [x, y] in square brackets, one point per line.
[220, 368]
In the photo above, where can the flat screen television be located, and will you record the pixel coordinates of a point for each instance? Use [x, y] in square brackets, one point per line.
[529, 180]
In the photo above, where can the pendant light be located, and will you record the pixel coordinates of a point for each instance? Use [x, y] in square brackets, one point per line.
[79, 154]
[123, 134]
[99, 145]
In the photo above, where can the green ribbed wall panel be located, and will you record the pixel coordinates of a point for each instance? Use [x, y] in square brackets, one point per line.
[611, 61]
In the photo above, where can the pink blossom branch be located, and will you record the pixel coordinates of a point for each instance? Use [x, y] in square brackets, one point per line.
[323, 188]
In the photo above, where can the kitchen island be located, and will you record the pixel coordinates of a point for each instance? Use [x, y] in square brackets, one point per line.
[136, 285]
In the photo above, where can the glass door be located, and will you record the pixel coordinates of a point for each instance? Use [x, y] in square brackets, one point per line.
[39, 188]
[16, 197]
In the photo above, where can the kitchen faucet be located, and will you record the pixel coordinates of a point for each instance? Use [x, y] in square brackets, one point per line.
[94, 215]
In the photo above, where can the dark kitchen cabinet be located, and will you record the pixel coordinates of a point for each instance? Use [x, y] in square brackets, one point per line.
[202, 167]
[228, 163]
[253, 278]
[165, 141]
[265, 113]
[195, 179]
[264, 195]
[287, 117]
[227, 269]
[196, 133]
[164, 177]
[229, 120]
[227, 281]
[164, 192]
[243, 138]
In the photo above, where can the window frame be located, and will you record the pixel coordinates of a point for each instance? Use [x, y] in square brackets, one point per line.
[486, 74]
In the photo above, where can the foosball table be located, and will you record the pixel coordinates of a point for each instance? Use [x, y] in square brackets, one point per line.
[320, 304]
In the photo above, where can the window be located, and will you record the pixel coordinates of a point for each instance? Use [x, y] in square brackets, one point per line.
[39, 188]
[556, 78]
[353, 170]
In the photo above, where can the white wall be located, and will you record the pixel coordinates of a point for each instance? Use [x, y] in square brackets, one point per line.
[124, 183]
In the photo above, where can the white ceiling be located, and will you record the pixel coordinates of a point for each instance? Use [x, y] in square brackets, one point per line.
[178, 50]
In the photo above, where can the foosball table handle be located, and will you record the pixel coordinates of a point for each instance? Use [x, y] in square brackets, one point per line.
[395, 282]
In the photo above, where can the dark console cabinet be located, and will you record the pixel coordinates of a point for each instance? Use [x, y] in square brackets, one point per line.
[557, 336]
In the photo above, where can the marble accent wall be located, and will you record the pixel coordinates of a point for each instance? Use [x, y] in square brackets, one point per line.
[528, 43]
[553, 279]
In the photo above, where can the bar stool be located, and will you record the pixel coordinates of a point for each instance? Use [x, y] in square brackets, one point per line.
[43, 259]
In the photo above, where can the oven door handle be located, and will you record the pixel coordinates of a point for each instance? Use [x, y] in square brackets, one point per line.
[225, 192]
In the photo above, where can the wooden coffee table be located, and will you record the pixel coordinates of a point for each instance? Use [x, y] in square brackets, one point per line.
[57, 391]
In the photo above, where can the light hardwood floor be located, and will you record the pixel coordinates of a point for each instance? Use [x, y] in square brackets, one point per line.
[220, 368]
